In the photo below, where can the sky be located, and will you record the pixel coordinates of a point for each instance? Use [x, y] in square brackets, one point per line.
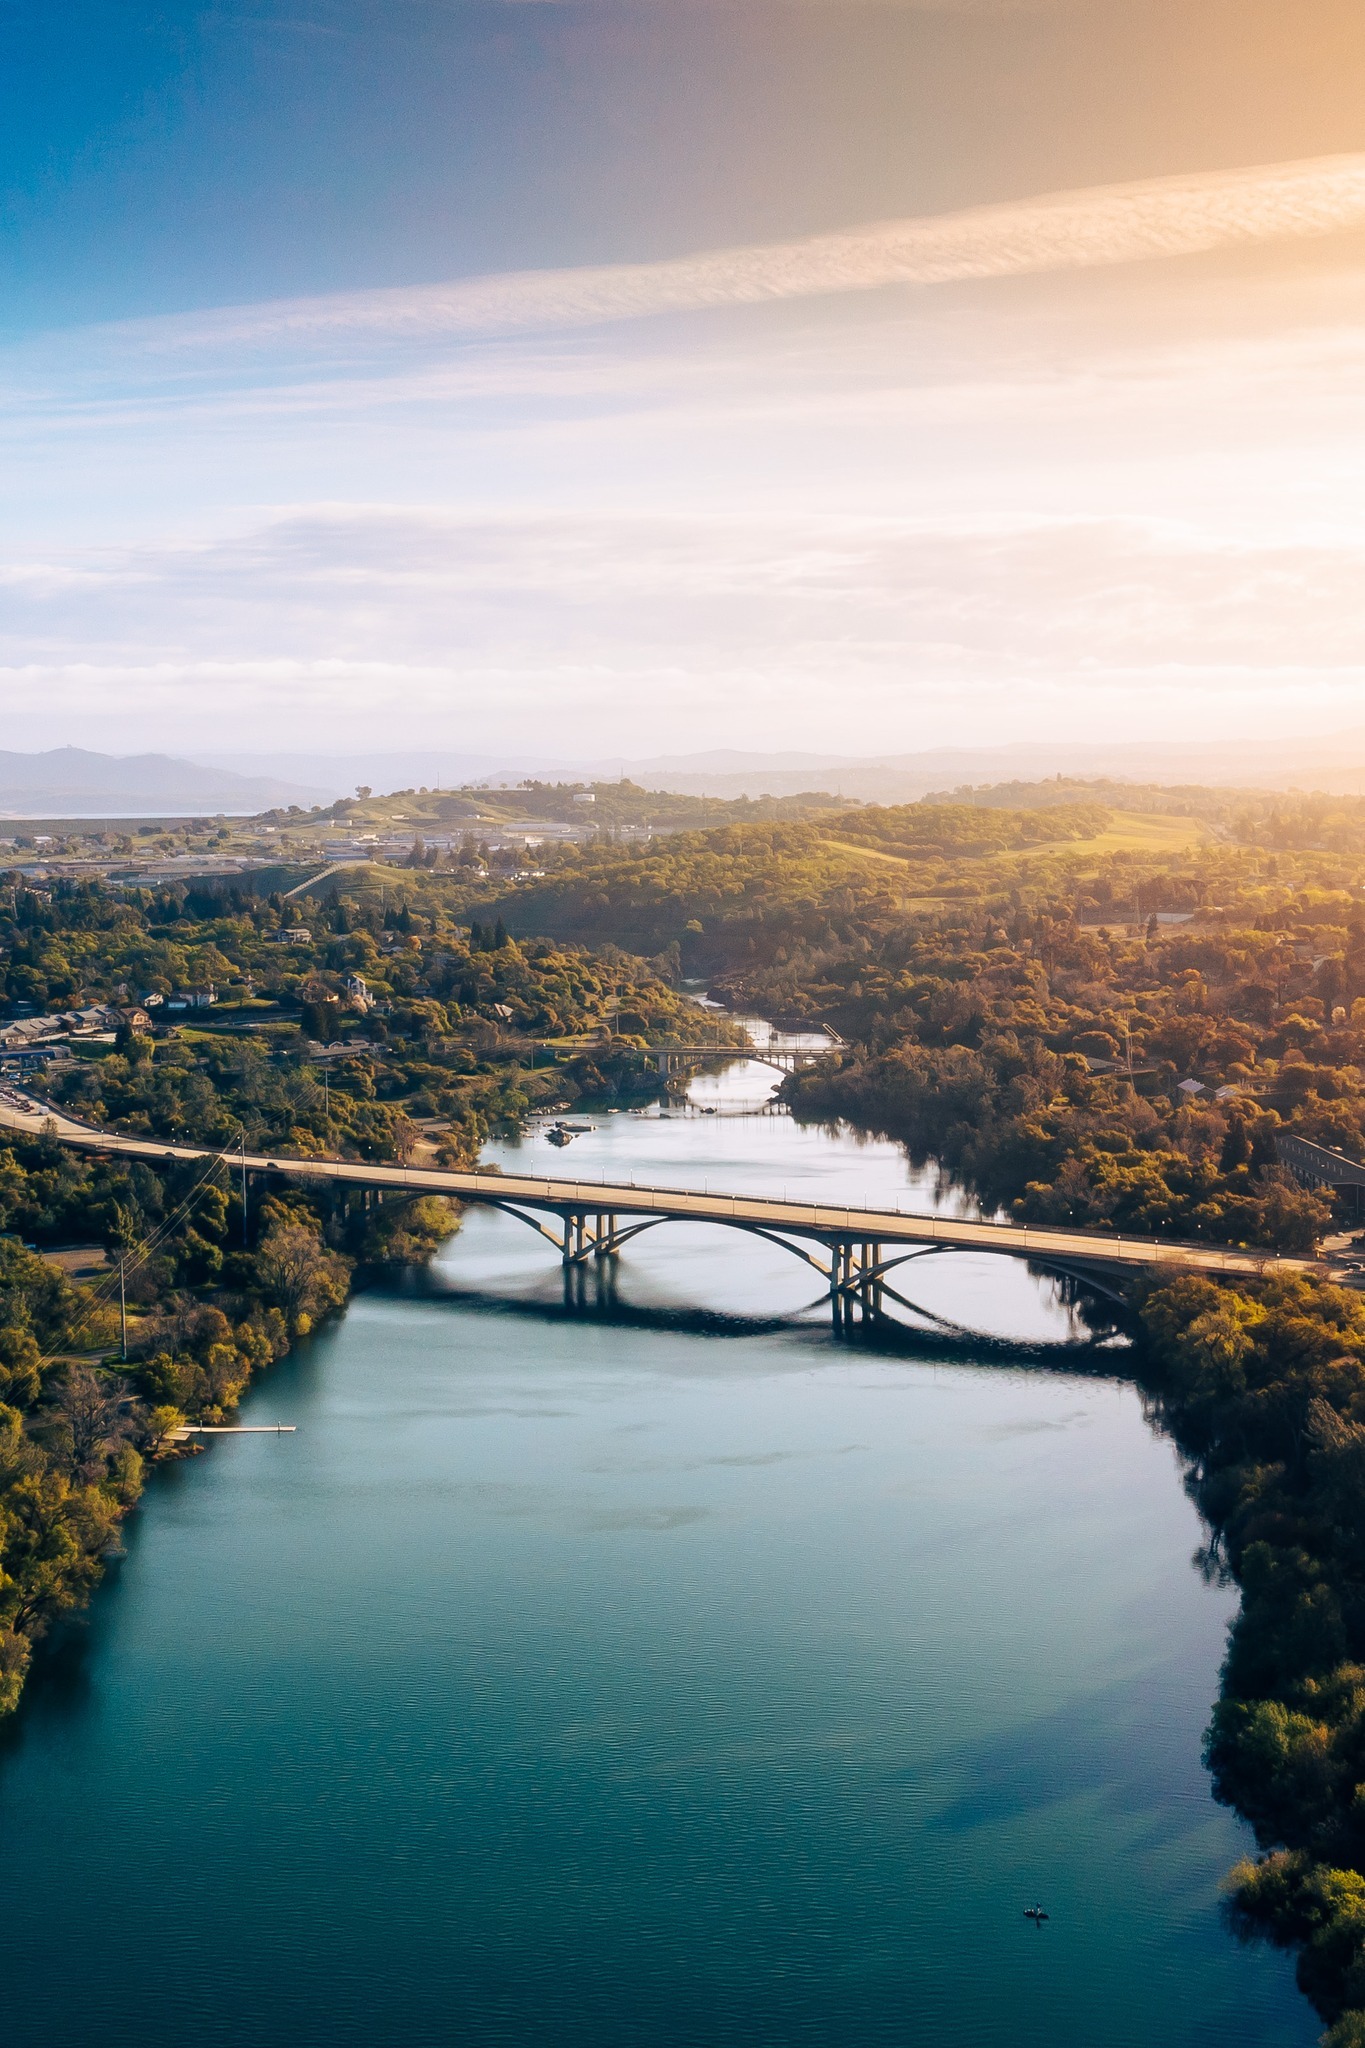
[636, 377]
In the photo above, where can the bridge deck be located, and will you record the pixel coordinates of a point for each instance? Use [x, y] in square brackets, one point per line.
[823, 1222]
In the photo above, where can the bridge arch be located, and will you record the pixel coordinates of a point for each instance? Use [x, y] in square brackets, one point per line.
[856, 1283]
[782, 1059]
[863, 1245]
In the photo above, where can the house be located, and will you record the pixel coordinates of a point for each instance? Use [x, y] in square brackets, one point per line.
[294, 935]
[28, 1031]
[94, 1018]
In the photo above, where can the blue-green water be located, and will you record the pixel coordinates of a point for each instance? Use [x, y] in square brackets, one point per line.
[596, 1681]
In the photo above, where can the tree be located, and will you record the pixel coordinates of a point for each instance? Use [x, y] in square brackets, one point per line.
[409, 1233]
[161, 1426]
[92, 1410]
[20, 1359]
[125, 1227]
[404, 1136]
[298, 1273]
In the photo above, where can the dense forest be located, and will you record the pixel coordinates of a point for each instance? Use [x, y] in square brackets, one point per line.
[1080, 1021]
[421, 1016]
[1086, 1011]
[1263, 1389]
[1090, 1017]
[367, 1032]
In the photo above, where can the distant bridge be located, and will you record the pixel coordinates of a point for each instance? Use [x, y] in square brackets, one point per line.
[853, 1249]
[788, 1059]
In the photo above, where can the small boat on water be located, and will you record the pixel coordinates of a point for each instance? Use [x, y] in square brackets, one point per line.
[564, 1134]
[1036, 1915]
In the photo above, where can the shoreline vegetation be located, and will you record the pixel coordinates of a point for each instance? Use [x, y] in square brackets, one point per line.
[378, 1031]
[1090, 1015]
[1106, 1020]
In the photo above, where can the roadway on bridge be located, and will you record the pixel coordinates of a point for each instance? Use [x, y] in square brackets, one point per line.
[821, 1222]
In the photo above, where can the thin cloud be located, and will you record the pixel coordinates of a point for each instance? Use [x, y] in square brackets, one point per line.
[1109, 224]
[363, 614]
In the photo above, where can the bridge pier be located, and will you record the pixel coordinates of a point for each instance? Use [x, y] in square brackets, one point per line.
[856, 1294]
[856, 1291]
[589, 1234]
[872, 1281]
[589, 1261]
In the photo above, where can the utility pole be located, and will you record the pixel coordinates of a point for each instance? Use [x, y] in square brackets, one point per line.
[123, 1306]
[244, 1233]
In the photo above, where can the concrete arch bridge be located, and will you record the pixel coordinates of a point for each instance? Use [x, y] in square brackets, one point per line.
[786, 1058]
[854, 1250]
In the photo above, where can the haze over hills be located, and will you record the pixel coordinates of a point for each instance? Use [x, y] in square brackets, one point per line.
[407, 768]
[1334, 763]
[76, 782]
[72, 782]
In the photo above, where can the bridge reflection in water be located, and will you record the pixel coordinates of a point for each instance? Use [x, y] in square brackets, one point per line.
[853, 1274]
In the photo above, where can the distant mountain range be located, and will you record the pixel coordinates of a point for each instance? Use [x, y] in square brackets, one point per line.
[71, 782]
[1333, 763]
[414, 768]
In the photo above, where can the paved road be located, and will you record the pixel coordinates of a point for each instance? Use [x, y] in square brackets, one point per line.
[818, 1221]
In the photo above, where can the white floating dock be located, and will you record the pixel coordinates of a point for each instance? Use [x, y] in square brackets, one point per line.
[232, 1429]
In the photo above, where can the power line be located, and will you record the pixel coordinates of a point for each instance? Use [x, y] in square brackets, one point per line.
[102, 1294]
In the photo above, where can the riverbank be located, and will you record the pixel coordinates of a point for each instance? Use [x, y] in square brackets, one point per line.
[1261, 1386]
[98, 1381]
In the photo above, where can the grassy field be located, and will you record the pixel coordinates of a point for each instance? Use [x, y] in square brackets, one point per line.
[1145, 832]
[1128, 832]
[895, 860]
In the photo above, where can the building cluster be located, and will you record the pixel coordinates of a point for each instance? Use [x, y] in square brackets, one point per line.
[27, 1040]
[29, 1031]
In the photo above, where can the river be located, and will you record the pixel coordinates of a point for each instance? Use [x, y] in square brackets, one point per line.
[667, 1677]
